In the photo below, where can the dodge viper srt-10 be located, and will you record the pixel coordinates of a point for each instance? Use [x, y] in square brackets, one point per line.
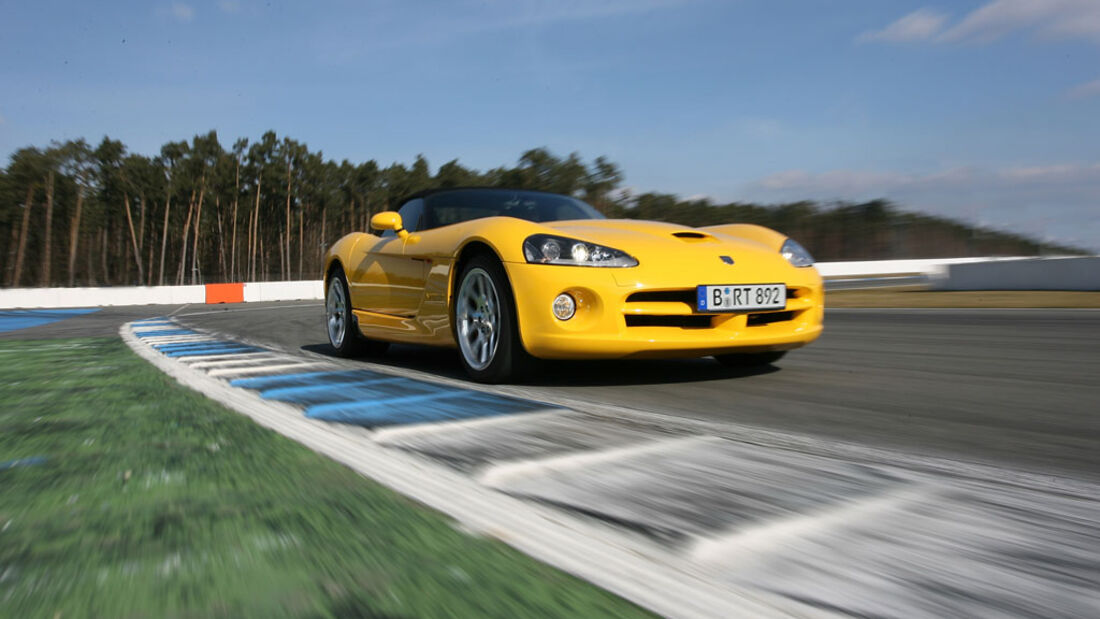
[506, 275]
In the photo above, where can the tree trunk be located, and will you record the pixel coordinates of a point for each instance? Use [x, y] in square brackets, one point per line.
[183, 242]
[141, 224]
[17, 272]
[284, 268]
[103, 257]
[322, 245]
[149, 270]
[74, 234]
[164, 233]
[10, 262]
[248, 251]
[301, 239]
[233, 242]
[90, 260]
[286, 257]
[133, 237]
[225, 275]
[47, 252]
[198, 230]
[256, 228]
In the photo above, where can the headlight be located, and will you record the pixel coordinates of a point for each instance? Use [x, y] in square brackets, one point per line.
[549, 249]
[796, 254]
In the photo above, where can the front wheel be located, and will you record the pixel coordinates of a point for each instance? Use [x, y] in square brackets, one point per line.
[750, 360]
[343, 333]
[485, 323]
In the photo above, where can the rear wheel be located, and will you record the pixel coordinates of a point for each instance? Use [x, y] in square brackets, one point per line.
[485, 323]
[343, 331]
[750, 360]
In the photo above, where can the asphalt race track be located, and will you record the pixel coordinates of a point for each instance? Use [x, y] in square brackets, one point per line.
[1014, 388]
[916, 463]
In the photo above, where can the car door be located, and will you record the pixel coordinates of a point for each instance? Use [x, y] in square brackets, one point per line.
[387, 279]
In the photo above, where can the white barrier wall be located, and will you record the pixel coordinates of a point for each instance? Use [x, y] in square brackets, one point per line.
[284, 291]
[99, 297]
[1024, 274]
[868, 268]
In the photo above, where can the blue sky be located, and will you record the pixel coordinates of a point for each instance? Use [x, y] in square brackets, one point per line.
[987, 110]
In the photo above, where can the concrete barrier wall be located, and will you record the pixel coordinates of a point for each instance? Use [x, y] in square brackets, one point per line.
[160, 295]
[870, 268]
[1024, 274]
[945, 273]
[284, 291]
[99, 297]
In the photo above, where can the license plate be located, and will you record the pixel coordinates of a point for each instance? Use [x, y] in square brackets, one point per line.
[741, 297]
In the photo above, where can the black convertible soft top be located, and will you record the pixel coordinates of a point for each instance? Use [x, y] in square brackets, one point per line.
[423, 193]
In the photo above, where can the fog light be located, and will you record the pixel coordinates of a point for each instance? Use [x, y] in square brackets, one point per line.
[564, 307]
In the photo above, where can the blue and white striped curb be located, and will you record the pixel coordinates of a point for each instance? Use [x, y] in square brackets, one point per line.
[359, 397]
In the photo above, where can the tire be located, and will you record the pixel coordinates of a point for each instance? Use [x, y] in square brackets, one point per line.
[485, 325]
[750, 360]
[340, 322]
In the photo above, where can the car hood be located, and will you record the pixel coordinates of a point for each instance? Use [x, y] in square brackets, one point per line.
[671, 243]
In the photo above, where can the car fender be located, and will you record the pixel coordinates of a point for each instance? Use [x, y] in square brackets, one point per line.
[340, 251]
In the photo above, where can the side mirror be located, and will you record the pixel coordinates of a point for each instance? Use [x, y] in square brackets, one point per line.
[388, 220]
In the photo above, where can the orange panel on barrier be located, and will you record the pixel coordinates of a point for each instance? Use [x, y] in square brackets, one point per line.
[225, 293]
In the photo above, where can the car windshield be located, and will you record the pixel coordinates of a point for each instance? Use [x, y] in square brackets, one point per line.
[452, 207]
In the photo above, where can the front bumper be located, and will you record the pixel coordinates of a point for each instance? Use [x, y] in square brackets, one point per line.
[645, 312]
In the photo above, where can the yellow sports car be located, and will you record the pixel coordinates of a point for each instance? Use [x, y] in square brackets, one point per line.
[506, 275]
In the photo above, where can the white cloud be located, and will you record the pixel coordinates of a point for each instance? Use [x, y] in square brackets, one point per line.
[1082, 91]
[182, 12]
[920, 25]
[229, 6]
[1058, 200]
[1050, 19]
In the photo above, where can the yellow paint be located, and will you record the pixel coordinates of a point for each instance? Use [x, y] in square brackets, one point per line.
[401, 286]
[389, 220]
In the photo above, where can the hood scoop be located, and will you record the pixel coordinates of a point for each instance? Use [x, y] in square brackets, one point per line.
[692, 236]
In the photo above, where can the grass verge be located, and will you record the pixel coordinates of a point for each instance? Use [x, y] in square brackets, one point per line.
[916, 296]
[123, 494]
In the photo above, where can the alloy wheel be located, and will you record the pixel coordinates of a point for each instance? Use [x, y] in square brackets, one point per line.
[478, 316]
[336, 312]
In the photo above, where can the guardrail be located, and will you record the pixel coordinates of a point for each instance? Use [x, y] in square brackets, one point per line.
[838, 276]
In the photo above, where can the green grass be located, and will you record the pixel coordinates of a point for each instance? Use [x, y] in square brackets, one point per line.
[154, 501]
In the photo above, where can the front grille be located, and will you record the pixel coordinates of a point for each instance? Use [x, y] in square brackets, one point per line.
[683, 322]
[663, 296]
[755, 320]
